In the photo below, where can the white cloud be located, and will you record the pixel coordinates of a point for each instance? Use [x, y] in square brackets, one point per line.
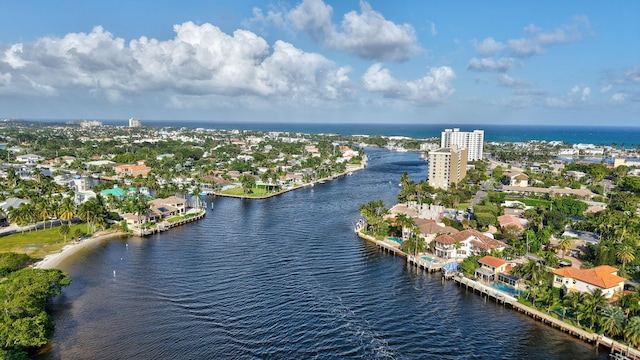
[606, 89]
[508, 81]
[434, 87]
[432, 29]
[366, 34]
[489, 47]
[199, 61]
[618, 98]
[489, 64]
[578, 95]
[538, 41]
[633, 75]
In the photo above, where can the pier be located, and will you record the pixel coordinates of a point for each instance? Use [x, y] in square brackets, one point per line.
[166, 225]
[617, 350]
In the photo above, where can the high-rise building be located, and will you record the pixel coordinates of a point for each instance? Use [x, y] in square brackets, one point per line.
[134, 122]
[472, 141]
[447, 166]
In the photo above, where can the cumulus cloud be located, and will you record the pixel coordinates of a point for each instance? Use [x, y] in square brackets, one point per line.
[489, 64]
[578, 95]
[434, 87]
[366, 34]
[489, 47]
[199, 61]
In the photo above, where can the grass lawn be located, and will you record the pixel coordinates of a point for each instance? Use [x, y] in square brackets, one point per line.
[38, 243]
[255, 192]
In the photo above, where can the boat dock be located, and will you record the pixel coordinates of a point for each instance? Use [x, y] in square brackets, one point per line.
[165, 225]
[617, 350]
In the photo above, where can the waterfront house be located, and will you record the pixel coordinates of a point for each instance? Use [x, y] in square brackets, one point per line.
[602, 277]
[465, 243]
[493, 268]
[429, 229]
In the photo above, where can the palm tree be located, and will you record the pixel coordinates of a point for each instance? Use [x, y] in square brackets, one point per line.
[632, 331]
[612, 320]
[625, 254]
[67, 210]
[64, 231]
[630, 303]
[564, 244]
[405, 222]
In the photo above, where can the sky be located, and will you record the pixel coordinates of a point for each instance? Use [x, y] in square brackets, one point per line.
[433, 62]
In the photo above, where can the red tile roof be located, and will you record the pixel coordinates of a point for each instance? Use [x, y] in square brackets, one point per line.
[492, 261]
[601, 276]
[476, 238]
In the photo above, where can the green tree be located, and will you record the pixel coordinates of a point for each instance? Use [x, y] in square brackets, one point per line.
[64, 231]
[564, 244]
[248, 182]
[612, 320]
[632, 331]
[626, 253]
[23, 296]
[10, 262]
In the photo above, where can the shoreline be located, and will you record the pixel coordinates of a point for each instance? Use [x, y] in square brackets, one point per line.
[302, 186]
[535, 314]
[52, 261]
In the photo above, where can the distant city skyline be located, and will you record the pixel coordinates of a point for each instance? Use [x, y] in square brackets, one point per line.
[468, 62]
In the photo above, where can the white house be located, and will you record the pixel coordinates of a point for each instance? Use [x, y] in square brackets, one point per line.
[30, 159]
[602, 277]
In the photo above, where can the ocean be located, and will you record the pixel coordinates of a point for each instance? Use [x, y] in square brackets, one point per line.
[628, 136]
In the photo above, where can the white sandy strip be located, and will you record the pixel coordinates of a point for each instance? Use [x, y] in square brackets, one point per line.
[54, 260]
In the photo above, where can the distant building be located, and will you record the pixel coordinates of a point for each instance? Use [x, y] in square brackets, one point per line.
[90, 123]
[132, 170]
[135, 122]
[447, 166]
[472, 141]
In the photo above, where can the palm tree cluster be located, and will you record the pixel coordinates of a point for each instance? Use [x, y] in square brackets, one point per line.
[589, 310]
[374, 212]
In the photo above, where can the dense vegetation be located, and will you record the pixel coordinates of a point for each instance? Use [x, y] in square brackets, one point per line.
[24, 293]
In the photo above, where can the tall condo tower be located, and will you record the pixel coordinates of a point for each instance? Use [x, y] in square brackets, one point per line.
[472, 141]
[447, 166]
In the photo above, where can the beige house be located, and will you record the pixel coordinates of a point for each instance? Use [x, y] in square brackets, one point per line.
[517, 178]
[464, 244]
[602, 277]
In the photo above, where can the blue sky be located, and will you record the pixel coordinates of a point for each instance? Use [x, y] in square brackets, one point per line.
[463, 62]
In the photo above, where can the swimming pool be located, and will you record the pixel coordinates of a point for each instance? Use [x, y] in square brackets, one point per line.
[398, 240]
[508, 289]
[429, 259]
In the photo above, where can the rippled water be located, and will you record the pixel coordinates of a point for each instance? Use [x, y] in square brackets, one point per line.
[284, 278]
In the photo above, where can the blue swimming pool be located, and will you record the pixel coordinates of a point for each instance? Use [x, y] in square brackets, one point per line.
[507, 289]
[398, 240]
[429, 259]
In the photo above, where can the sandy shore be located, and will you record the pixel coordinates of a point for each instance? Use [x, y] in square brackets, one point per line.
[54, 260]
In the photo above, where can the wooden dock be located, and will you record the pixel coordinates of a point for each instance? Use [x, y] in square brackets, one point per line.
[165, 225]
[617, 350]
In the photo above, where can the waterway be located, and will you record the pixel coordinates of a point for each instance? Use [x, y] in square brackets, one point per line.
[285, 278]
